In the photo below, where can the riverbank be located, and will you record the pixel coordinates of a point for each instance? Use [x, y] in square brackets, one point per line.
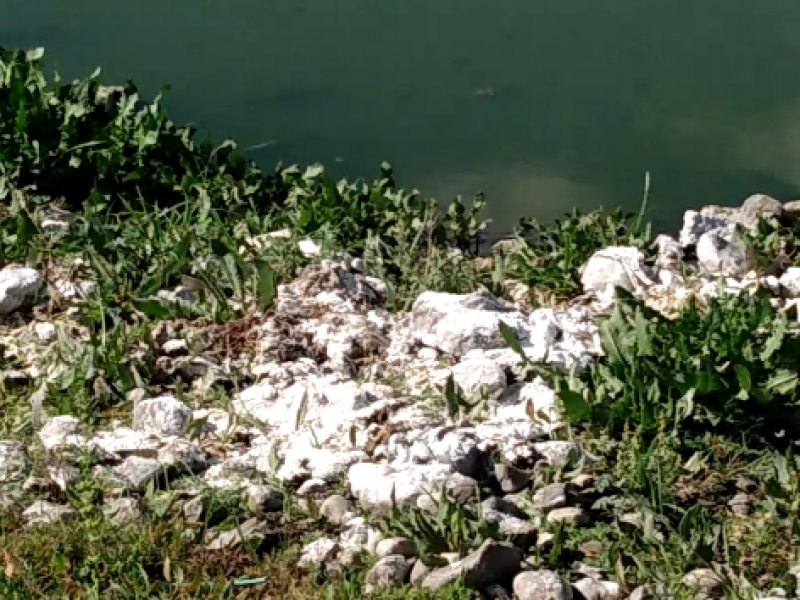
[220, 383]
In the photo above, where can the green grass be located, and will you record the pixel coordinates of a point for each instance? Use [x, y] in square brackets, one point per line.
[677, 411]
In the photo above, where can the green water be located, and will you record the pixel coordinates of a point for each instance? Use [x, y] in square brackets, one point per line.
[545, 105]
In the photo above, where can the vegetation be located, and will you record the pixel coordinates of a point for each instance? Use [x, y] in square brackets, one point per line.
[678, 413]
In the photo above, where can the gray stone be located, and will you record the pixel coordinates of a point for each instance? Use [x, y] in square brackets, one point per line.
[616, 266]
[741, 504]
[705, 579]
[397, 545]
[139, 472]
[122, 510]
[264, 498]
[724, 252]
[250, 529]
[18, 286]
[388, 572]
[419, 572]
[792, 208]
[47, 513]
[594, 589]
[512, 479]
[14, 462]
[541, 585]
[550, 497]
[757, 207]
[319, 553]
[479, 376]
[642, 592]
[335, 508]
[460, 488]
[790, 282]
[194, 509]
[503, 505]
[164, 416]
[493, 562]
[569, 516]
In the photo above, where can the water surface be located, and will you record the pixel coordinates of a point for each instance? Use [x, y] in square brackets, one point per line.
[545, 106]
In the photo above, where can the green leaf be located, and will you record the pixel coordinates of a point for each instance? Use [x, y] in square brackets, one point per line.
[511, 339]
[152, 308]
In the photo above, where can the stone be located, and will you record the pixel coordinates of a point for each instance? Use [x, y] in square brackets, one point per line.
[709, 218]
[493, 562]
[550, 497]
[138, 471]
[758, 207]
[460, 488]
[419, 571]
[388, 572]
[397, 545]
[707, 580]
[194, 509]
[479, 376]
[569, 516]
[312, 487]
[792, 209]
[541, 585]
[48, 513]
[456, 324]
[164, 416]
[318, 553]
[18, 287]
[250, 529]
[641, 592]
[616, 266]
[264, 498]
[741, 504]
[335, 508]
[594, 589]
[122, 510]
[790, 282]
[512, 479]
[61, 432]
[724, 252]
[14, 461]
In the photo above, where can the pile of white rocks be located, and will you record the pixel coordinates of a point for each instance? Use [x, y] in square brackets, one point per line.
[339, 392]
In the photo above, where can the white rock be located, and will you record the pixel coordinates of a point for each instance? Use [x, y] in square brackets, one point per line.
[18, 285]
[479, 376]
[790, 281]
[723, 251]
[164, 416]
[616, 266]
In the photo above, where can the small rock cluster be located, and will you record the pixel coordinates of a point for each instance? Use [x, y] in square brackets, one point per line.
[335, 393]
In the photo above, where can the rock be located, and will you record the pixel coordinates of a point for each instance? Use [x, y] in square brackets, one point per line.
[388, 572]
[790, 282]
[357, 533]
[709, 218]
[493, 562]
[138, 471]
[594, 589]
[670, 253]
[724, 252]
[312, 487]
[741, 504]
[60, 432]
[616, 266]
[461, 489]
[335, 508]
[264, 498]
[705, 579]
[397, 545]
[318, 553]
[165, 416]
[180, 456]
[18, 287]
[14, 461]
[512, 479]
[373, 484]
[550, 497]
[642, 592]
[541, 585]
[479, 376]
[122, 510]
[503, 505]
[309, 248]
[569, 516]
[194, 509]
[792, 209]
[250, 529]
[456, 324]
[758, 207]
[47, 513]
[418, 573]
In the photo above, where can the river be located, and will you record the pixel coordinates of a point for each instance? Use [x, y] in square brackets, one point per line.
[545, 105]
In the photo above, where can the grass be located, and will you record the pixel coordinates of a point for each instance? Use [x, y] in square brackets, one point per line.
[677, 413]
